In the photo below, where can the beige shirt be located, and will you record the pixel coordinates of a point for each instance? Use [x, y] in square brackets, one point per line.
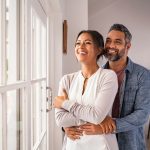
[93, 106]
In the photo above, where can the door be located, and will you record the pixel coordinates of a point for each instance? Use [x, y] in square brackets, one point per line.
[40, 92]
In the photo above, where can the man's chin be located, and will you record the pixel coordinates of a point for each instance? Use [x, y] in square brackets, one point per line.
[113, 59]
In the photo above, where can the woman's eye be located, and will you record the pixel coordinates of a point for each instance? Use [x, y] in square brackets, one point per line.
[83, 43]
[87, 43]
[77, 43]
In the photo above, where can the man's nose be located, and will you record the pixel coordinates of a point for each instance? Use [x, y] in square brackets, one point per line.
[111, 45]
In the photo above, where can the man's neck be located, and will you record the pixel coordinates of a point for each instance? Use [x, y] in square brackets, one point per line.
[118, 65]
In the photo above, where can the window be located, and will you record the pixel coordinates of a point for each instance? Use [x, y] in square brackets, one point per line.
[9, 75]
[23, 75]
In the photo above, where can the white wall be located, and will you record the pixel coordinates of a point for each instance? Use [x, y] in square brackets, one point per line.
[55, 66]
[135, 15]
[76, 14]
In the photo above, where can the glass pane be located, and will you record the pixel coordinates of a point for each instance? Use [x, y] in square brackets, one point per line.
[43, 112]
[0, 45]
[0, 121]
[11, 40]
[38, 110]
[43, 49]
[43, 144]
[38, 48]
[13, 123]
[1, 35]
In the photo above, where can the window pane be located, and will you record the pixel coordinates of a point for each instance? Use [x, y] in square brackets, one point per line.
[43, 49]
[13, 123]
[39, 45]
[43, 144]
[11, 40]
[43, 105]
[1, 36]
[38, 110]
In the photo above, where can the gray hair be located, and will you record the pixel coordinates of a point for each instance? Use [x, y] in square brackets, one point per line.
[122, 28]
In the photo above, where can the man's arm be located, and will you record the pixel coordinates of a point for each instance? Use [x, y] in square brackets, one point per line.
[105, 127]
[73, 132]
[140, 107]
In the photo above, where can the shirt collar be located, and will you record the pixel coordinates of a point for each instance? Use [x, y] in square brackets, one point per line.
[129, 66]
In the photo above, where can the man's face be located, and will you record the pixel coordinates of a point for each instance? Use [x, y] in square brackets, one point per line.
[116, 46]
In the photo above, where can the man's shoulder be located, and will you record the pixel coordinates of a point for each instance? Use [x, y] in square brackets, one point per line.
[138, 69]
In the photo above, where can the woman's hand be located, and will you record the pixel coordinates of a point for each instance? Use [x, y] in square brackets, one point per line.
[60, 99]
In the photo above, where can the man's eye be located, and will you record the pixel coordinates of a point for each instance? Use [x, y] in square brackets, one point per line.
[108, 41]
[118, 42]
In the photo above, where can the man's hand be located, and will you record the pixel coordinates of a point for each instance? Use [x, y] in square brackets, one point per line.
[73, 132]
[108, 125]
[91, 129]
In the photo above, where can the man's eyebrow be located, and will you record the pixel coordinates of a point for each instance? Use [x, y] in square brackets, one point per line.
[107, 38]
[118, 39]
[115, 39]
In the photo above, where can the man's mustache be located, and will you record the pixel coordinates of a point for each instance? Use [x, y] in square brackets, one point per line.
[108, 50]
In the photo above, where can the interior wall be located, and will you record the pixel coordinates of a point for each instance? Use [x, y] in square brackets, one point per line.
[135, 15]
[76, 14]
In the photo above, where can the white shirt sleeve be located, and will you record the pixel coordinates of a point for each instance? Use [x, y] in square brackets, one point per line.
[63, 117]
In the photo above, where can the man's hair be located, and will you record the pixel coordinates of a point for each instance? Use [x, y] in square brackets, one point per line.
[122, 28]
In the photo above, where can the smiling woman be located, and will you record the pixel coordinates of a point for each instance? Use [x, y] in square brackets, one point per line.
[86, 96]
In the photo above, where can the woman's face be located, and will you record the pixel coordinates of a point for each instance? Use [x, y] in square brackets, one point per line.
[85, 49]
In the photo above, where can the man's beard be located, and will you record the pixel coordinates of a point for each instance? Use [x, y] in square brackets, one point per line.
[114, 54]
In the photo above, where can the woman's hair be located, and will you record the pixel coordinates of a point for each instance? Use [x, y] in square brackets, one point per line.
[97, 39]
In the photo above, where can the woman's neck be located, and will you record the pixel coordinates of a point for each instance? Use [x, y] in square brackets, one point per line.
[87, 70]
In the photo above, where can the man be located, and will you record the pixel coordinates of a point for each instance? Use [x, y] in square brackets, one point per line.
[132, 103]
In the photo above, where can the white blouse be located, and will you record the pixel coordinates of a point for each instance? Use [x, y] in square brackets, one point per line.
[92, 106]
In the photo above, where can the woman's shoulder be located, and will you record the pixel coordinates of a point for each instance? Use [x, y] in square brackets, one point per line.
[108, 72]
[69, 77]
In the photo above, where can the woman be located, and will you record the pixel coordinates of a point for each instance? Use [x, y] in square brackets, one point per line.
[87, 95]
